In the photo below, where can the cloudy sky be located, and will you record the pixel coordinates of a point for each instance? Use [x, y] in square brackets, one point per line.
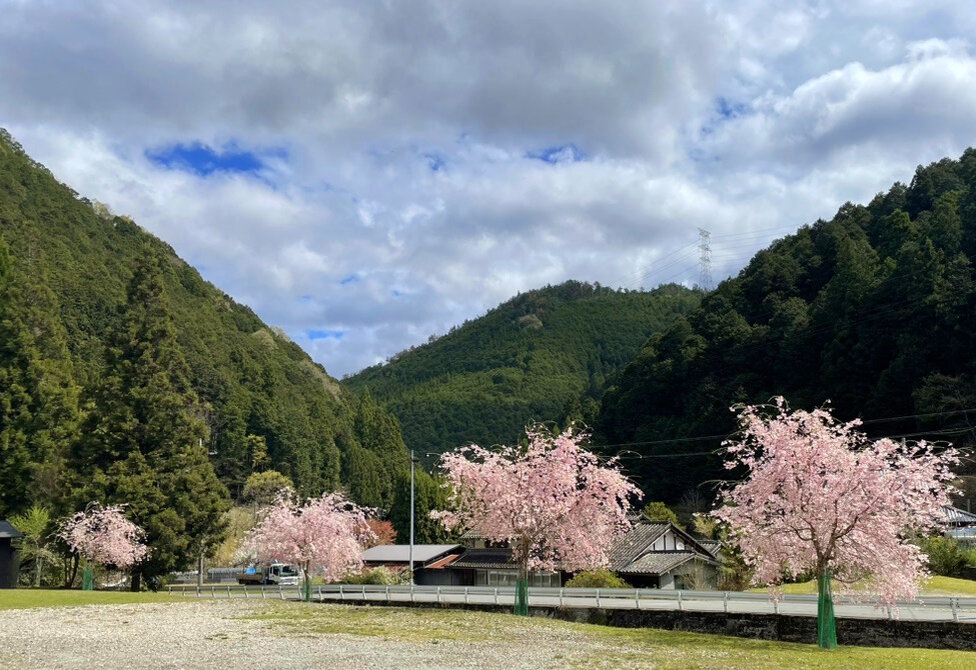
[365, 174]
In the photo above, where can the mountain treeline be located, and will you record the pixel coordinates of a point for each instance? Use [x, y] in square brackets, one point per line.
[126, 377]
[544, 355]
[872, 310]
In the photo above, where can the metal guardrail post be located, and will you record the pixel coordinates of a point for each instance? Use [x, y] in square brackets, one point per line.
[213, 592]
[560, 596]
[229, 596]
[438, 594]
[496, 595]
[364, 592]
[320, 593]
[342, 596]
[598, 597]
[889, 612]
[281, 592]
[725, 603]
[245, 592]
[465, 595]
[679, 600]
[776, 606]
[264, 595]
[388, 593]
[198, 591]
[954, 603]
[411, 592]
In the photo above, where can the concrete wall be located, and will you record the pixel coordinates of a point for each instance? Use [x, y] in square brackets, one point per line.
[850, 632]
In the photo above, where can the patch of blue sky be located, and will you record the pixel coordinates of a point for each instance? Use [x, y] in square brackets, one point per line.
[349, 279]
[728, 109]
[563, 153]
[325, 334]
[202, 160]
[435, 161]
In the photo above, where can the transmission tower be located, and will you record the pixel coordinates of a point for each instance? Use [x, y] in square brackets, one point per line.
[704, 260]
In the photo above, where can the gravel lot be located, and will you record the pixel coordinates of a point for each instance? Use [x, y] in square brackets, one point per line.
[231, 634]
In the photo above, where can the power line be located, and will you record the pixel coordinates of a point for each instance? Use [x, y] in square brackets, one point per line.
[723, 436]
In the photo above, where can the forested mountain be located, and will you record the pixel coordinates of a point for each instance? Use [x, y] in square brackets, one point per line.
[78, 318]
[544, 355]
[873, 310]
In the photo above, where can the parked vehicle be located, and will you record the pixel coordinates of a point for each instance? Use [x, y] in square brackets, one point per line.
[274, 573]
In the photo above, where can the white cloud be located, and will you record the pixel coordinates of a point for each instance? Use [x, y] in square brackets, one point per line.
[397, 139]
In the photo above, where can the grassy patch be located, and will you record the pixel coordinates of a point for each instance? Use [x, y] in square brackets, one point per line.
[591, 646]
[934, 586]
[26, 598]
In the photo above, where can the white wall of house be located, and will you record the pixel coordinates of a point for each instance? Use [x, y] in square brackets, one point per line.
[668, 542]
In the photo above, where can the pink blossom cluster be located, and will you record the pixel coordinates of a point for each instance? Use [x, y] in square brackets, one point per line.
[103, 535]
[326, 535]
[819, 496]
[552, 501]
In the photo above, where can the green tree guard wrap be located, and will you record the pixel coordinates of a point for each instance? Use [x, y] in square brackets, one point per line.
[826, 628]
[87, 579]
[522, 597]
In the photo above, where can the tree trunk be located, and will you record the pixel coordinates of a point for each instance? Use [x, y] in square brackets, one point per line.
[522, 587]
[37, 569]
[136, 584]
[826, 628]
[306, 586]
[69, 582]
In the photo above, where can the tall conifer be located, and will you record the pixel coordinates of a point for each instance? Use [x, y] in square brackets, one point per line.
[143, 442]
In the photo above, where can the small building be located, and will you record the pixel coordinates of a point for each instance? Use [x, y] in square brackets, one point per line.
[961, 525]
[493, 566]
[9, 555]
[659, 555]
[429, 560]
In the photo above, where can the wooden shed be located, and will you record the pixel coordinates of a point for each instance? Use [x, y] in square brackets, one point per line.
[9, 559]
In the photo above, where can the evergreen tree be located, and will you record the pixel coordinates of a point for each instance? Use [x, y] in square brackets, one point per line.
[429, 495]
[38, 396]
[143, 441]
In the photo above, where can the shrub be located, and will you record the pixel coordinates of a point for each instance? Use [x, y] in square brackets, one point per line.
[946, 557]
[381, 575]
[597, 579]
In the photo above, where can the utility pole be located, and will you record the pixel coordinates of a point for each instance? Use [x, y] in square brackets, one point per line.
[704, 260]
[412, 462]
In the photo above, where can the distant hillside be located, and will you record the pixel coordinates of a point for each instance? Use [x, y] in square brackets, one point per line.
[872, 310]
[254, 382]
[544, 355]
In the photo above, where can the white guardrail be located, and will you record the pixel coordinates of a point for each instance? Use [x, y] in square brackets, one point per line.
[936, 608]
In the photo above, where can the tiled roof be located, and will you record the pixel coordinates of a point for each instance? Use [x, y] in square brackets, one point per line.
[8, 531]
[959, 517]
[636, 541]
[659, 562]
[714, 547]
[485, 559]
[400, 553]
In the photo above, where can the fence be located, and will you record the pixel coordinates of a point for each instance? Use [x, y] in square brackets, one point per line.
[942, 608]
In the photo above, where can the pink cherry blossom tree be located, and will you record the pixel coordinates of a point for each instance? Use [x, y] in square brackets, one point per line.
[103, 535]
[551, 502]
[819, 497]
[326, 535]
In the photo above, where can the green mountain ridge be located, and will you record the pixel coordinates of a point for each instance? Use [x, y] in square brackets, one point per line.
[544, 355]
[871, 311]
[253, 383]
